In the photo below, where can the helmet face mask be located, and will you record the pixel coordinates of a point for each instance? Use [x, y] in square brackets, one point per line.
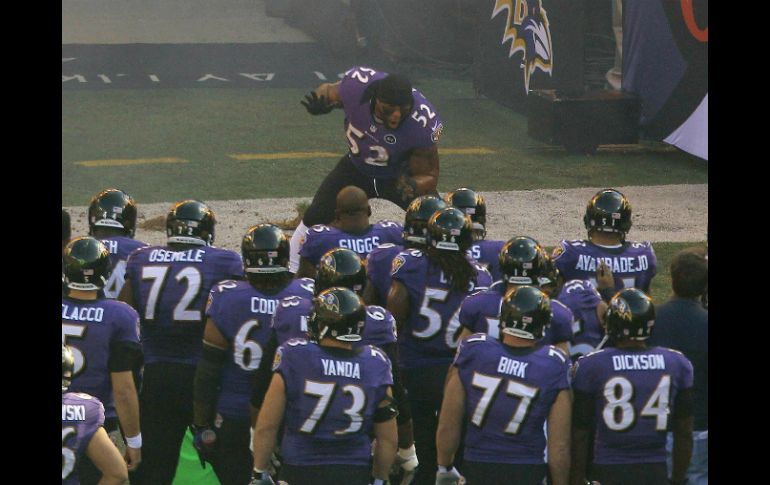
[112, 208]
[450, 229]
[473, 204]
[67, 367]
[416, 219]
[265, 250]
[190, 222]
[523, 262]
[630, 315]
[341, 267]
[338, 313]
[608, 211]
[86, 264]
[525, 313]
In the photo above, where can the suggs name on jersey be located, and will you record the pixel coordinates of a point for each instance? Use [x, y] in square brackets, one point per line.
[73, 412]
[616, 265]
[166, 256]
[360, 245]
[341, 368]
[82, 314]
[263, 305]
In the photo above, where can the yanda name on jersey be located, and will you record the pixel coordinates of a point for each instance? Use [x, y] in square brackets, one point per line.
[166, 256]
[623, 264]
[638, 362]
[512, 367]
[341, 368]
[82, 314]
[73, 412]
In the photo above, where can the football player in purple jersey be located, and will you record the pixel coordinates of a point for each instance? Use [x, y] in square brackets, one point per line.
[341, 267]
[350, 230]
[415, 234]
[392, 132]
[425, 297]
[103, 336]
[332, 398]
[522, 262]
[168, 286]
[607, 220]
[485, 251]
[502, 390]
[82, 432]
[112, 220]
[237, 330]
[629, 395]
[588, 309]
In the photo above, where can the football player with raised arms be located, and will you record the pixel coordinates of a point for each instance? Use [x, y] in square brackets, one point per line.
[629, 395]
[103, 336]
[425, 295]
[485, 251]
[83, 434]
[392, 132]
[332, 398]
[607, 220]
[350, 230]
[112, 220]
[237, 331]
[415, 234]
[502, 390]
[168, 286]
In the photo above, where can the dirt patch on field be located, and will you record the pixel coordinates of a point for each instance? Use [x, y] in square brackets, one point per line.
[673, 213]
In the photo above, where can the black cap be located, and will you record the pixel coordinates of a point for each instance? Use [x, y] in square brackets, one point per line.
[394, 89]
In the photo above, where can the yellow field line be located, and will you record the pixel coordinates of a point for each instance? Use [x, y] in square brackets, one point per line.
[129, 161]
[287, 155]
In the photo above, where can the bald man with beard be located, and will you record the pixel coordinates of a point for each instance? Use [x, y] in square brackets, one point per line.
[350, 229]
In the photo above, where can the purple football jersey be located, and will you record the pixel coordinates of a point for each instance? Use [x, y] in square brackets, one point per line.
[633, 264]
[582, 298]
[242, 314]
[81, 417]
[375, 149]
[487, 254]
[508, 396]
[290, 321]
[120, 248]
[170, 291]
[430, 335]
[480, 313]
[378, 268]
[322, 238]
[632, 391]
[331, 396]
[90, 328]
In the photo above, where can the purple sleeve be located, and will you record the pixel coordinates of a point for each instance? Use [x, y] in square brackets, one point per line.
[380, 326]
[311, 248]
[560, 329]
[563, 258]
[128, 328]
[233, 266]
[466, 349]
[483, 278]
[582, 379]
[212, 304]
[469, 314]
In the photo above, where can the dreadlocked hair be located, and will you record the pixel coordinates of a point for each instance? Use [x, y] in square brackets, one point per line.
[457, 269]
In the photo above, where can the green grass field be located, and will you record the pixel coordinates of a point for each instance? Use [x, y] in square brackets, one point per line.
[204, 126]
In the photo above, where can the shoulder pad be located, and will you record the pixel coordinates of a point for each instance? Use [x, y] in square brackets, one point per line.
[388, 223]
[290, 301]
[384, 246]
[414, 252]
[225, 285]
[307, 284]
[320, 228]
[295, 342]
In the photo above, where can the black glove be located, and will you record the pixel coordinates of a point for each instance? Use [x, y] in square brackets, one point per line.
[316, 105]
[204, 442]
[406, 188]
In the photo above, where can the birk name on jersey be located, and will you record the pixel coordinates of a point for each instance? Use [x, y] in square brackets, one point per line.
[512, 367]
[263, 305]
[166, 256]
[73, 412]
[338, 368]
[617, 265]
[360, 245]
[82, 314]
[638, 362]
